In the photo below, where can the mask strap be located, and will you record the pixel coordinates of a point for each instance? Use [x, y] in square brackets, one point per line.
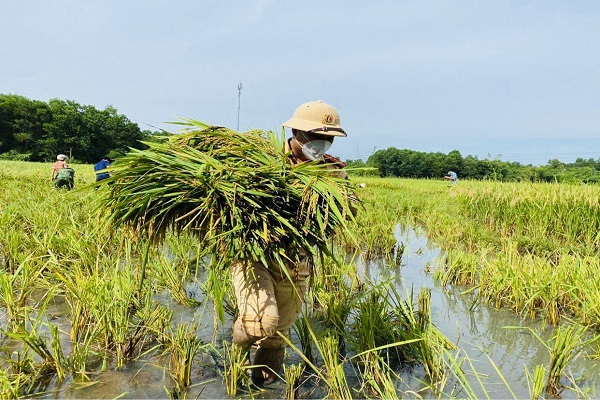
[304, 136]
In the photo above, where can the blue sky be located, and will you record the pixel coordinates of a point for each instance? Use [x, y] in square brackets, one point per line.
[512, 80]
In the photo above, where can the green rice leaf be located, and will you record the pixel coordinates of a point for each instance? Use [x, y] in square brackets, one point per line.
[237, 192]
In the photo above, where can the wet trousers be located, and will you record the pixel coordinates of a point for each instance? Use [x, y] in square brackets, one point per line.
[268, 302]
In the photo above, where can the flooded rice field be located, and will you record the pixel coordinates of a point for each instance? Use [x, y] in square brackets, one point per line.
[500, 354]
[482, 331]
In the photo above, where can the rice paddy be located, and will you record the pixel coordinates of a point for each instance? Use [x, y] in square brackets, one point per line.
[89, 307]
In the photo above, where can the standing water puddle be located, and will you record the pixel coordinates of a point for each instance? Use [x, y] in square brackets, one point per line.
[477, 329]
[480, 330]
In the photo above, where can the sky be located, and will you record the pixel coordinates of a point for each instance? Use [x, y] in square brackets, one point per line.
[511, 80]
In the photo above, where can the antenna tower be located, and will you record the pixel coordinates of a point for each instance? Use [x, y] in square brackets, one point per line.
[239, 103]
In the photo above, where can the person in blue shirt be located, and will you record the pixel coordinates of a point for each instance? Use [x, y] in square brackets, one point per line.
[452, 177]
[101, 166]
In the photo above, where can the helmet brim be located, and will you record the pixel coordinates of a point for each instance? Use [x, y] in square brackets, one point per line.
[306, 125]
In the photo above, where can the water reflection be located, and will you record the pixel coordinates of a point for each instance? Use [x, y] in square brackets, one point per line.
[480, 330]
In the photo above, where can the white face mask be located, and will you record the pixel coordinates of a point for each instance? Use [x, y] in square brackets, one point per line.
[315, 149]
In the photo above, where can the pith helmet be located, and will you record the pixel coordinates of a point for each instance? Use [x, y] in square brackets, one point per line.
[61, 157]
[316, 117]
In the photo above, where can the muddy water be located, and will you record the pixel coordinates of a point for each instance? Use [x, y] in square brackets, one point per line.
[478, 330]
[481, 331]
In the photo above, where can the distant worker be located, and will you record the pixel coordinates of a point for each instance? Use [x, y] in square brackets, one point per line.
[101, 166]
[65, 178]
[452, 177]
[58, 165]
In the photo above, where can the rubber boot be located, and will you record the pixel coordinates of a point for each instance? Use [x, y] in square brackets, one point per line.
[267, 364]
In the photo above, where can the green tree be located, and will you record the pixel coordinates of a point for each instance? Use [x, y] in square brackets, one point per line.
[455, 162]
[21, 124]
[37, 131]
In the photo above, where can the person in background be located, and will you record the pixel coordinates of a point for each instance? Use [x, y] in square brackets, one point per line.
[452, 177]
[65, 178]
[268, 300]
[100, 166]
[58, 165]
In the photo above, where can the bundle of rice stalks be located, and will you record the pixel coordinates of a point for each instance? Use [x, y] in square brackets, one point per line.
[238, 192]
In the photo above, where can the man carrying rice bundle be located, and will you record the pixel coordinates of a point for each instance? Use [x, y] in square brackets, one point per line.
[269, 298]
[262, 207]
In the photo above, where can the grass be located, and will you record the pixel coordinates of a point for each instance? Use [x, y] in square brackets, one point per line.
[292, 376]
[534, 248]
[54, 249]
[184, 345]
[236, 192]
[236, 367]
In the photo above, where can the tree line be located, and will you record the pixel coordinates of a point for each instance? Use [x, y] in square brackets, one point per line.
[33, 130]
[393, 162]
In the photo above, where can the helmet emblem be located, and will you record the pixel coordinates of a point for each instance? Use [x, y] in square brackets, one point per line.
[328, 119]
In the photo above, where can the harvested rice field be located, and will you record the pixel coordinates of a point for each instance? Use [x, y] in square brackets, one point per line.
[479, 290]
